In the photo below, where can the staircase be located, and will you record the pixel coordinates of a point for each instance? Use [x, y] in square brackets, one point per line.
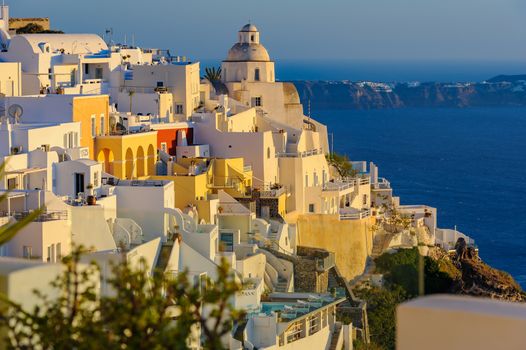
[335, 336]
[282, 285]
[164, 257]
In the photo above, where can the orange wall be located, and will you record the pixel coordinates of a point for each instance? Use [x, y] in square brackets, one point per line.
[84, 107]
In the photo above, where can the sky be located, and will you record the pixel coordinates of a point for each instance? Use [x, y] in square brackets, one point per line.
[420, 30]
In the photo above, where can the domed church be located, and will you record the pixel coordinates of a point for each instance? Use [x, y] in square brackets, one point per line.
[248, 75]
[248, 59]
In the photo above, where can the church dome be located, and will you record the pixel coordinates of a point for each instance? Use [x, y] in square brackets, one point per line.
[242, 52]
[249, 28]
[248, 47]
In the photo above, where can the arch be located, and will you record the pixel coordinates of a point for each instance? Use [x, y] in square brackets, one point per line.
[129, 164]
[106, 157]
[140, 162]
[151, 160]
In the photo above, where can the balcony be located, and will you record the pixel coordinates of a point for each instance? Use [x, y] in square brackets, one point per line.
[354, 214]
[304, 154]
[43, 217]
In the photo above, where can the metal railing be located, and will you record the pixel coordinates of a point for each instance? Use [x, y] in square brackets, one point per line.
[303, 154]
[43, 217]
[356, 216]
[324, 264]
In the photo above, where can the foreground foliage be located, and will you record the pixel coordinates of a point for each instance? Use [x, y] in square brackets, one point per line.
[142, 312]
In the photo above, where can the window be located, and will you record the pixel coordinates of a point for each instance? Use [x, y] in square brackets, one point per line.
[59, 251]
[93, 127]
[66, 140]
[96, 178]
[11, 183]
[27, 252]
[311, 208]
[86, 69]
[226, 242]
[98, 73]
[160, 84]
[178, 109]
[164, 147]
[306, 180]
[252, 38]
[256, 74]
[256, 101]
[364, 199]
[268, 152]
[101, 130]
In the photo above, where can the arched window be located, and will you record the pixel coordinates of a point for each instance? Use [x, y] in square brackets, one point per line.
[252, 38]
[256, 74]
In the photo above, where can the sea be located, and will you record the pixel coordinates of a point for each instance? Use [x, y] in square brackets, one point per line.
[468, 163]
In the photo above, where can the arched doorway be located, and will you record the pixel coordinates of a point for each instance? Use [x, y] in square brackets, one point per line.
[140, 162]
[129, 164]
[106, 158]
[151, 160]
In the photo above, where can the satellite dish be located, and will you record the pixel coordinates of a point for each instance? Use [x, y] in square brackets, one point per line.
[15, 111]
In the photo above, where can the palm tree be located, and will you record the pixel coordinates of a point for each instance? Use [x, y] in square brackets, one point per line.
[213, 74]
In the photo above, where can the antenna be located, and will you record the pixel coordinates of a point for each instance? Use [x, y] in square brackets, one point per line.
[15, 111]
[133, 40]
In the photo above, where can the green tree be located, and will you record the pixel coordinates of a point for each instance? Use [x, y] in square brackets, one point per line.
[143, 312]
[381, 314]
[342, 165]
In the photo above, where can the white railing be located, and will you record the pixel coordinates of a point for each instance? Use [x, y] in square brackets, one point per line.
[308, 153]
[355, 215]
[340, 185]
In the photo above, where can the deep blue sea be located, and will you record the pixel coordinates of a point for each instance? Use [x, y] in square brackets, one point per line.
[468, 163]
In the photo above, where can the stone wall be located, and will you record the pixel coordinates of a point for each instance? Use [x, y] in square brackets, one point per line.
[307, 279]
[16, 23]
[350, 240]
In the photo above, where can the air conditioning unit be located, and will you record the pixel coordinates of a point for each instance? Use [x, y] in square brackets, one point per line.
[16, 150]
[45, 148]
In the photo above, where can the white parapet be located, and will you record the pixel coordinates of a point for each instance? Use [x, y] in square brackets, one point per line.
[458, 322]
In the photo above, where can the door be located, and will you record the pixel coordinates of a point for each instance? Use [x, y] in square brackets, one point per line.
[79, 183]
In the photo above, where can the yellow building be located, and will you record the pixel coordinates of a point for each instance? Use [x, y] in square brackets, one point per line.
[195, 180]
[128, 156]
[92, 111]
[93, 114]
[232, 176]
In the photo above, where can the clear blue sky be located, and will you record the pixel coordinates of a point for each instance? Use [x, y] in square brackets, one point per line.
[488, 30]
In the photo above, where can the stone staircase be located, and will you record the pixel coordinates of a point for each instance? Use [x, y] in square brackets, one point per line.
[282, 285]
[335, 336]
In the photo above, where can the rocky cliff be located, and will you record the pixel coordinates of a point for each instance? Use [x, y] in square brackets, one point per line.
[498, 91]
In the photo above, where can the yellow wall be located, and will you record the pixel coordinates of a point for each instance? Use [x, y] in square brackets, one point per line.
[188, 189]
[128, 156]
[86, 107]
[350, 240]
[231, 172]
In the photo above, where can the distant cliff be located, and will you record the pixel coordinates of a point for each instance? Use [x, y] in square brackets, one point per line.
[499, 91]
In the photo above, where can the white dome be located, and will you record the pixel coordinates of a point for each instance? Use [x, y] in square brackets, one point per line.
[242, 52]
[249, 28]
